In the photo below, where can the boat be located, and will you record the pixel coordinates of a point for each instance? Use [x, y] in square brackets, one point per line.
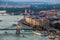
[0, 20]
[42, 33]
[57, 37]
[37, 33]
[51, 36]
[14, 23]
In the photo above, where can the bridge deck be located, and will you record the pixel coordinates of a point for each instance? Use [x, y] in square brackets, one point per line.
[20, 29]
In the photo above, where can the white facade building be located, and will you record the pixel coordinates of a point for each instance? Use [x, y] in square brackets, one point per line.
[3, 12]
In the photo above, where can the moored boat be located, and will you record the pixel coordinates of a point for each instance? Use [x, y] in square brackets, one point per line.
[51, 36]
[42, 33]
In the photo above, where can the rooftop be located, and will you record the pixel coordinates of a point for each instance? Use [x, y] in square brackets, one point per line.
[35, 17]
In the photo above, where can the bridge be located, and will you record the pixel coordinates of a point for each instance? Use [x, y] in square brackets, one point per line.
[22, 29]
[18, 28]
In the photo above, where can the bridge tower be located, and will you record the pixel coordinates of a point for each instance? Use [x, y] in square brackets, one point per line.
[17, 29]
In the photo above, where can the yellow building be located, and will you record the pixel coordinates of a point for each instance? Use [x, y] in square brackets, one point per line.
[40, 21]
[35, 20]
[31, 21]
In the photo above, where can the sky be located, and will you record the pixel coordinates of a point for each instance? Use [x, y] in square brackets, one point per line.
[47, 1]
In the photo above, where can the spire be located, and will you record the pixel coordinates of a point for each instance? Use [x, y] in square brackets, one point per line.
[25, 11]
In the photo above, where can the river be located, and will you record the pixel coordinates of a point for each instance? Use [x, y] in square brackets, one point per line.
[7, 22]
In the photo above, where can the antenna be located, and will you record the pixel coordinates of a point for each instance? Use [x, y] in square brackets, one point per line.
[6, 3]
[55, 8]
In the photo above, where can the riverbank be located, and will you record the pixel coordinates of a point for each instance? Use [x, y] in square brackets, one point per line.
[47, 32]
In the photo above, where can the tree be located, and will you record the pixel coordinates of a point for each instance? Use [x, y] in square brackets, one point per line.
[56, 25]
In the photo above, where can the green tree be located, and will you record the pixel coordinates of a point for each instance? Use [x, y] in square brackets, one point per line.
[56, 25]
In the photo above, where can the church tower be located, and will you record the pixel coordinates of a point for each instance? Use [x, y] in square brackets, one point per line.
[25, 14]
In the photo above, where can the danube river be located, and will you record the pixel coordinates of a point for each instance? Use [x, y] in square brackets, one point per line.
[7, 22]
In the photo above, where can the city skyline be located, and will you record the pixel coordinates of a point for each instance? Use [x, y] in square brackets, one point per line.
[47, 1]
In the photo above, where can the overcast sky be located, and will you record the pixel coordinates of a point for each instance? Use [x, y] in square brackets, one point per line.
[48, 1]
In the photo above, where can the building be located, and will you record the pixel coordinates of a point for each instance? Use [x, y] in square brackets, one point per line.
[3, 12]
[35, 20]
[54, 19]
